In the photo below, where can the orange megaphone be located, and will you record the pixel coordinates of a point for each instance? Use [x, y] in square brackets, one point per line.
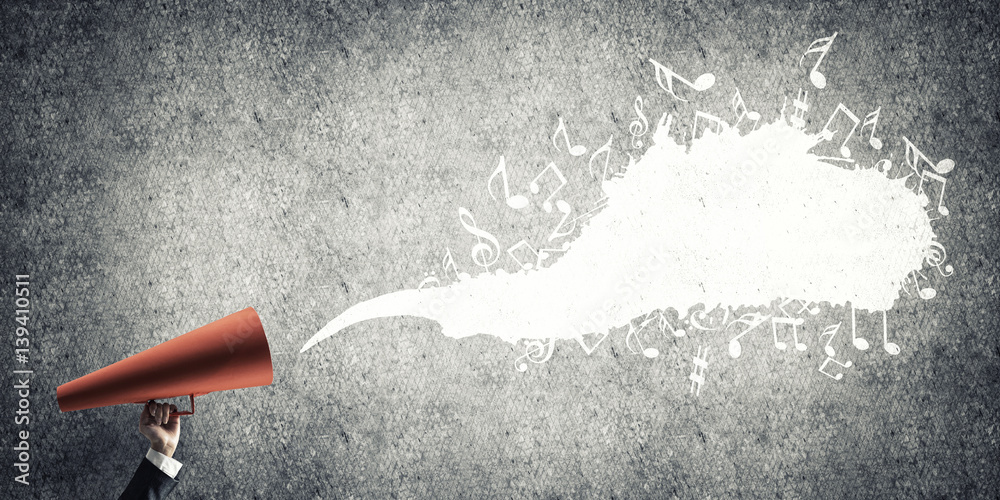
[230, 353]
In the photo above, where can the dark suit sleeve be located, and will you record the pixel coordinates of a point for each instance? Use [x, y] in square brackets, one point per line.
[148, 483]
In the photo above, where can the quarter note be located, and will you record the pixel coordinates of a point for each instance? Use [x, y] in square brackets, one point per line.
[890, 347]
[842, 365]
[577, 150]
[701, 84]
[517, 201]
[547, 204]
[822, 46]
[943, 210]
[872, 119]
[828, 134]
[858, 342]
[640, 125]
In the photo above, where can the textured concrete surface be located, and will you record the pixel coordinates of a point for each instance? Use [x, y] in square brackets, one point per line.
[168, 163]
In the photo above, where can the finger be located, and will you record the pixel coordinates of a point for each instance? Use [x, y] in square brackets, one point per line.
[173, 409]
[151, 406]
[164, 413]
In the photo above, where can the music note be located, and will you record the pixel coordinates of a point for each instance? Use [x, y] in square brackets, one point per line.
[639, 126]
[839, 375]
[711, 119]
[547, 204]
[828, 134]
[798, 116]
[664, 324]
[890, 347]
[483, 254]
[448, 260]
[914, 157]
[832, 332]
[526, 265]
[577, 150]
[755, 320]
[822, 46]
[649, 352]
[606, 148]
[943, 210]
[564, 209]
[872, 119]
[858, 342]
[795, 322]
[924, 293]
[517, 201]
[702, 83]
[740, 108]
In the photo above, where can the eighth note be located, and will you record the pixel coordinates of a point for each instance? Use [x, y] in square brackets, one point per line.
[822, 46]
[872, 119]
[740, 108]
[832, 332]
[517, 201]
[577, 150]
[753, 320]
[702, 83]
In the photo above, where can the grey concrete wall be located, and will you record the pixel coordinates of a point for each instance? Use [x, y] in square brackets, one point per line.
[167, 163]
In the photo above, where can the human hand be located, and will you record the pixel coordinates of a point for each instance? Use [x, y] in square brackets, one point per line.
[162, 430]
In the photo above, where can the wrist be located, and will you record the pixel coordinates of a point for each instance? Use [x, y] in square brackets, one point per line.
[164, 447]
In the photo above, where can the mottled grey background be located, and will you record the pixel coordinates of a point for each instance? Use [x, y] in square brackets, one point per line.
[168, 163]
